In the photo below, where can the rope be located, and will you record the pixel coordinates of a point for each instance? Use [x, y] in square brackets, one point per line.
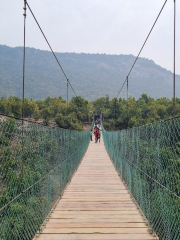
[142, 47]
[51, 49]
[154, 180]
[67, 94]
[127, 106]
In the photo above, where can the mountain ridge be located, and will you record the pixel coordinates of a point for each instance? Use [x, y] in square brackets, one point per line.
[91, 75]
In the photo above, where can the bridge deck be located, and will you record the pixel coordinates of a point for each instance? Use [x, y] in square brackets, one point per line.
[96, 204]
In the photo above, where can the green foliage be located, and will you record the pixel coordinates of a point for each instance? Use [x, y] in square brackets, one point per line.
[69, 121]
[8, 126]
[13, 106]
[120, 114]
[71, 117]
[117, 113]
[47, 114]
[79, 107]
[30, 108]
[74, 116]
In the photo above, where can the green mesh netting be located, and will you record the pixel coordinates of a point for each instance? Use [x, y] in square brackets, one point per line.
[148, 160]
[36, 163]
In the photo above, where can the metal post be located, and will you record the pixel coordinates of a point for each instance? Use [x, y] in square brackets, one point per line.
[115, 114]
[24, 57]
[174, 74]
[127, 105]
[115, 109]
[67, 93]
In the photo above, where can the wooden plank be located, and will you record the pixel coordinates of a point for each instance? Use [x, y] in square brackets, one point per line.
[96, 230]
[96, 196]
[75, 187]
[95, 212]
[105, 201]
[92, 218]
[95, 225]
[95, 220]
[94, 203]
[95, 193]
[94, 199]
[96, 237]
[96, 208]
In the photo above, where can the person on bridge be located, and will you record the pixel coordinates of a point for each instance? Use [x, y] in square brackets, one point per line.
[99, 135]
[95, 129]
[96, 136]
[91, 134]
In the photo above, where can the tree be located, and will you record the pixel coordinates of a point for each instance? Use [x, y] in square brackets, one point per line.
[30, 108]
[15, 106]
[69, 121]
[47, 114]
[79, 106]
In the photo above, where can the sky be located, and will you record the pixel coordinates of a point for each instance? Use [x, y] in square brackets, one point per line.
[95, 26]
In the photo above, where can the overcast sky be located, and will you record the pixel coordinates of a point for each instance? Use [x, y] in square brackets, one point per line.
[95, 26]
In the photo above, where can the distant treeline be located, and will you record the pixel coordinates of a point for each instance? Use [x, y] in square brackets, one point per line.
[117, 114]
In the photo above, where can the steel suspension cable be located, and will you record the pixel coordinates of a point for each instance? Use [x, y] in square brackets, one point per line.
[142, 47]
[51, 48]
[24, 57]
[174, 74]
[127, 105]
[67, 94]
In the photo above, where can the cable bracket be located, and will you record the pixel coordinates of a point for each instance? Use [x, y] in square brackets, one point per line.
[25, 8]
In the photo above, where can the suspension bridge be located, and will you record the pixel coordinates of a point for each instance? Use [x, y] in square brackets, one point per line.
[96, 204]
[56, 184]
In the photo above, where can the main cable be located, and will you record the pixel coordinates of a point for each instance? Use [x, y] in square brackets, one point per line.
[142, 48]
[50, 48]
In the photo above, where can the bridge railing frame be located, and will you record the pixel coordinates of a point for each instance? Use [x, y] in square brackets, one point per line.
[148, 160]
[36, 164]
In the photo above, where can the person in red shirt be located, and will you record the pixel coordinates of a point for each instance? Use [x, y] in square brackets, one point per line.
[96, 136]
[95, 128]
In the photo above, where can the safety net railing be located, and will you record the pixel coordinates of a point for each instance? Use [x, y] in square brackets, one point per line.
[36, 163]
[148, 160]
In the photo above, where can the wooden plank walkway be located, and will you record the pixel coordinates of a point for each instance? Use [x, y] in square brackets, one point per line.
[96, 205]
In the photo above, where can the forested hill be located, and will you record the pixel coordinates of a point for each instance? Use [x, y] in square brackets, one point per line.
[91, 75]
